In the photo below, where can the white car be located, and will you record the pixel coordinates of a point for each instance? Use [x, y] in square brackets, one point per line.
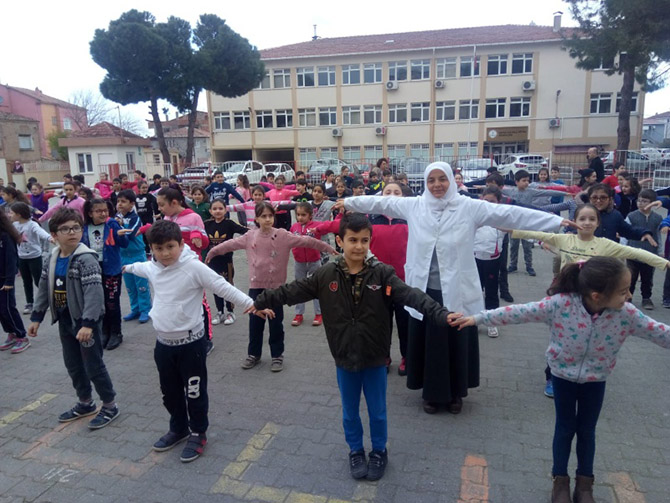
[253, 169]
[635, 161]
[515, 162]
[473, 169]
[281, 168]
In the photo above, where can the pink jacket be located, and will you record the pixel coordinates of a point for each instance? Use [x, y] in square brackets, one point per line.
[313, 230]
[249, 209]
[268, 253]
[284, 194]
[104, 187]
[76, 203]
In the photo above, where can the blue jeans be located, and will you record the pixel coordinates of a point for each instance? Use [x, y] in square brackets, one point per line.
[137, 287]
[373, 382]
[577, 410]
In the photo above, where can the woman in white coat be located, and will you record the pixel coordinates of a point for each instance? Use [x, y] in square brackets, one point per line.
[441, 262]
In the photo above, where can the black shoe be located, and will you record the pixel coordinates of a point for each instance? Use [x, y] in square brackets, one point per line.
[511, 268]
[114, 342]
[169, 440]
[531, 271]
[507, 297]
[210, 346]
[377, 464]
[194, 447]
[79, 410]
[104, 417]
[105, 339]
[429, 407]
[456, 406]
[357, 464]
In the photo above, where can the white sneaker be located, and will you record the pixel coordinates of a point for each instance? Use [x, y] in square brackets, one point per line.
[230, 319]
[216, 319]
[493, 332]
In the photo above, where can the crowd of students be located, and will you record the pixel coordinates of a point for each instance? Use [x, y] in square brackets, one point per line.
[424, 259]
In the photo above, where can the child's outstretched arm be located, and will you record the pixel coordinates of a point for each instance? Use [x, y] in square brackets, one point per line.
[216, 283]
[402, 293]
[648, 328]
[295, 241]
[296, 292]
[228, 246]
[533, 312]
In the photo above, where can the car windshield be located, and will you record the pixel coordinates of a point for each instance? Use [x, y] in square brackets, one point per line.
[235, 168]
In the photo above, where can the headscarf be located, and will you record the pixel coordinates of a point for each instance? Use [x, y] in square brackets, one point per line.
[437, 205]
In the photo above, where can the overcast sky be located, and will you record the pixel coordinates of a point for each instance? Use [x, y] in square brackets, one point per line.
[49, 48]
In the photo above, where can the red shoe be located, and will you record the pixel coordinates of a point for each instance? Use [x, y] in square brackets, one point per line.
[297, 321]
[402, 368]
[388, 364]
[318, 321]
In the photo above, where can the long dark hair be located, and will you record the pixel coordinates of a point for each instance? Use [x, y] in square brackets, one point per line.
[21, 209]
[171, 194]
[18, 196]
[598, 274]
[261, 207]
[7, 226]
[88, 206]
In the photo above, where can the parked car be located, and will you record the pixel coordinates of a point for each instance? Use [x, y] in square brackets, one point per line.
[317, 170]
[194, 175]
[413, 167]
[475, 168]
[654, 154]
[253, 169]
[515, 162]
[635, 162]
[281, 168]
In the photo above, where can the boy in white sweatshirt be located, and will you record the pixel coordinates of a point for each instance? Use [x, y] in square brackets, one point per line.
[178, 278]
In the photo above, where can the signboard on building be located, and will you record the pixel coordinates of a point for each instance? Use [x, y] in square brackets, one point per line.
[505, 134]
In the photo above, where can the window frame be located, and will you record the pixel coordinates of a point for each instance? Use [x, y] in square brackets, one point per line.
[220, 116]
[87, 160]
[600, 99]
[394, 110]
[441, 66]
[284, 74]
[377, 110]
[526, 59]
[395, 68]
[523, 103]
[422, 66]
[330, 113]
[328, 72]
[30, 145]
[471, 105]
[377, 72]
[302, 73]
[349, 112]
[499, 104]
[265, 81]
[420, 151]
[304, 116]
[500, 61]
[634, 99]
[245, 117]
[477, 64]
[441, 109]
[423, 110]
[264, 114]
[287, 115]
[348, 71]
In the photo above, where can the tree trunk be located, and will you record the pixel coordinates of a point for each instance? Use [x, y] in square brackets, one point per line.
[158, 126]
[190, 141]
[623, 129]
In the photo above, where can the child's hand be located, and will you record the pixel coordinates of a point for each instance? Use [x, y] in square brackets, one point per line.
[197, 242]
[123, 232]
[453, 317]
[84, 334]
[339, 205]
[261, 313]
[7, 287]
[462, 322]
[32, 329]
[335, 253]
[570, 223]
[664, 230]
[651, 206]
[52, 240]
[650, 240]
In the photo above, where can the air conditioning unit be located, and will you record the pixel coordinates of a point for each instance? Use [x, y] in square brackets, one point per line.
[554, 123]
[392, 85]
[380, 131]
[337, 131]
[528, 85]
[440, 84]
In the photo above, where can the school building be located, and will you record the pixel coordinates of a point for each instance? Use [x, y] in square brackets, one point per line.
[434, 94]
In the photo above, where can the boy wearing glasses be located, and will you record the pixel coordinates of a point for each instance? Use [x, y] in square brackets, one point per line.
[71, 288]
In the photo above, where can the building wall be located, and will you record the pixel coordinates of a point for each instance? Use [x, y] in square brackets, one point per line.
[102, 157]
[9, 141]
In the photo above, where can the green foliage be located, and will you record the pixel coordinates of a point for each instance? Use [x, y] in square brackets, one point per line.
[56, 150]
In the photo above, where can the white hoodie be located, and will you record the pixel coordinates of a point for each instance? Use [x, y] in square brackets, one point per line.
[178, 290]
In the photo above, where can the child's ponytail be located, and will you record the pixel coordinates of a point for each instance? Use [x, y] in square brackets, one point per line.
[172, 194]
[599, 274]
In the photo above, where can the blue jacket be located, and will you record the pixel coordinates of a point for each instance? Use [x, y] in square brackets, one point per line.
[223, 190]
[612, 222]
[111, 255]
[131, 220]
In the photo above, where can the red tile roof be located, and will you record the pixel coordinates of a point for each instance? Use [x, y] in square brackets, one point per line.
[38, 95]
[393, 42]
[182, 132]
[104, 130]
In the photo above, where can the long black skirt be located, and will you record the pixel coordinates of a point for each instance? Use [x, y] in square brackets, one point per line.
[442, 361]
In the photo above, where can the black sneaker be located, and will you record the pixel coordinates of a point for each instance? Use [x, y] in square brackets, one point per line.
[79, 410]
[169, 440]
[531, 271]
[377, 464]
[210, 346]
[194, 446]
[507, 297]
[357, 465]
[114, 342]
[104, 417]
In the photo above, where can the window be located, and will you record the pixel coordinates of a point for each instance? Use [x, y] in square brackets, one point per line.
[157, 158]
[351, 74]
[85, 162]
[328, 152]
[351, 153]
[373, 152]
[222, 120]
[397, 151]
[601, 103]
[420, 69]
[372, 73]
[519, 107]
[327, 116]
[467, 66]
[67, 124]
[242, 120]
[305, 76]
[495, 108]
[398, 113]
[54, 121]
[282, 78]
[422, 150]
[26, 142]
[130, 160]
[372, 114]
[351, 115]
[420, 112]
[264, 119]
[466, 149]
[445, 110]
[284, 118]
[446, 68]
[398, 70]
[522, 63]
[326, 75]
[444, 151]
[497, 65]
[606, 63]
[307, 117]
[468, 109]
[265, 83]
[307, 155]
[633, 105]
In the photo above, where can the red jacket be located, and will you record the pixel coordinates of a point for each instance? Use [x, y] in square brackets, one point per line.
[191, 226]
[313, 230]
[389, 245]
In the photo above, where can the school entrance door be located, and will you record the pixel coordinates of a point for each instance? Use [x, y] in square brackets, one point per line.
[500, 151]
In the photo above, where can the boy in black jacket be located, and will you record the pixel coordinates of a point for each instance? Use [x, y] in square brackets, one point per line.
[357, 293]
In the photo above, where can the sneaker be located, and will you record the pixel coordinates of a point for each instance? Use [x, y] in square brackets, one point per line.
[402, 368]
[169, 440]
[27, 309]
[377, 464]
[131, 316]
[507, 297]
[210, 346]
[217, 318]
[21, 345]
[357, 464]
[250, 362]
[297, 321]
[194, 447]
[144, 318]
[230, 319]
[318, 321]
[104, 417]
[277, 364]
[511, 269]
[9, 343]
[666, 304]
[114, 342]
[493, 332]
[549, 389]
[647, 304]
[531, 271]
[79, 410]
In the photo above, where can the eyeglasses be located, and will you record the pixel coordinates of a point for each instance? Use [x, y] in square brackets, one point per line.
[599, 198]
[69, 230]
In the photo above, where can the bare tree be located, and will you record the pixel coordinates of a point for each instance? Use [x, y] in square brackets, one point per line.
[96, 108]
[127, 121]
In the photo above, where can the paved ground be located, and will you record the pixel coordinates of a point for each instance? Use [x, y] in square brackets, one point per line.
[278, 437]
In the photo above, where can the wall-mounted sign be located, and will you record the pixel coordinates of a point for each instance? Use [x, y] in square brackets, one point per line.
[503, 134]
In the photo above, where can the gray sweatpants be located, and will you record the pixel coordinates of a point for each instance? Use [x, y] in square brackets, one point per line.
[305, 270]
